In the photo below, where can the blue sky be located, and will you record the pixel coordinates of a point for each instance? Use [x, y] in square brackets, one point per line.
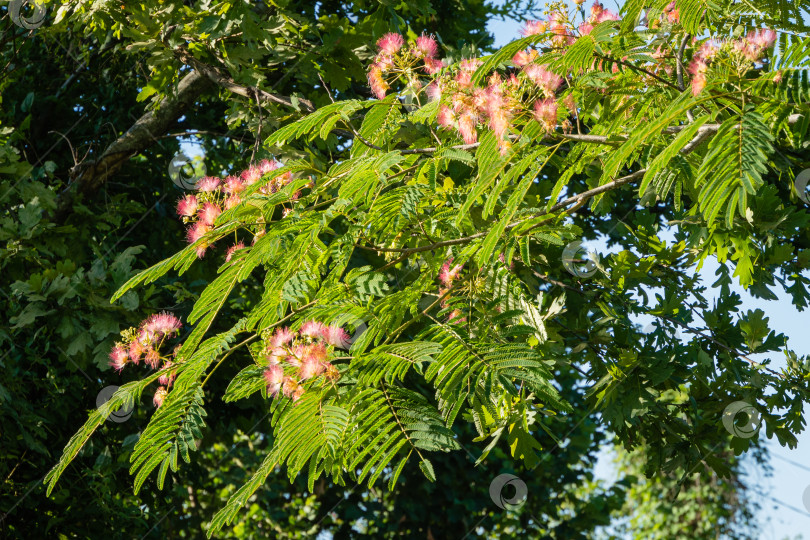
[787, 517]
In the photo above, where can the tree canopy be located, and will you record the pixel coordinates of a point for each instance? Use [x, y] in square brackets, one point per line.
[373, 294]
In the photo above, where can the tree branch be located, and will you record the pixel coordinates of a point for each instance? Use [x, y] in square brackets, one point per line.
[226, 82]
[87, 177]
[703, 133]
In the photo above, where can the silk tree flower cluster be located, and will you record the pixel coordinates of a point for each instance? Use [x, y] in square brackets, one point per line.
[144, 343]
[560, 27]
[532, 91]
[214, 195]
[447, 275]
[465, 106]
[295, 357]
[740, 52]
[396, 60]
[561, 31]
[450, 273]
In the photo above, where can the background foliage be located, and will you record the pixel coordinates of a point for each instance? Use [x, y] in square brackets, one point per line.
[75, 232]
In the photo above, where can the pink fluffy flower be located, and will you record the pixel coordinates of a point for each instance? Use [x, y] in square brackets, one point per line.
[708, 51]
[466, 126]
[495, 107]
[208, 213]
[470, 64]
[561, 36]
[332, 372]
[464, 79]
[187, 206]
[135, 351]
[384, 61]
[763, 38]
[161, 324]
[433, 91]
[231, 202]
[276, 355]
[298, 353]
[208, 184]
[698, 68]
[232, 249]
[672, 13]
[754, 45]
[167, 378]
[596, 10]
[426, 46]
[533, 28]
[446, 118]
[602, 14]
[118, 357]
[698, 83]
[447, 274]
[310, 368]
[545, 112]
[251, 175]
[376, 81]
[160, 396]
[317, 351]
[145, 337]
[152, 358]
[548, 81]
[311, 329]
[524, 57]
[266, 165]
[390, 43]
[233, 185]
[502, 258]
[336, 336]
[282, 337]
[274, 389]
[289, 386]
[274, 375]
[570, 103]
[433, 65]
[196, 231]
[459, 101]
[499, 123]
